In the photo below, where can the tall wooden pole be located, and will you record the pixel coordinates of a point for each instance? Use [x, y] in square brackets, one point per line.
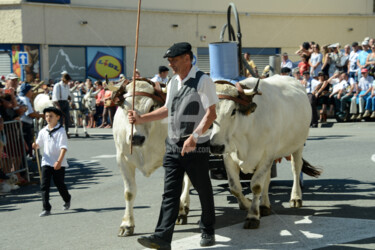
[135, 68]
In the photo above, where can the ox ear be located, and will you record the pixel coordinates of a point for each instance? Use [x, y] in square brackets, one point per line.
[248, 109]
[112, 87]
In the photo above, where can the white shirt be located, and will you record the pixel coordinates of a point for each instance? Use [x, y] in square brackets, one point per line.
[206, 88]
[60, 92]
[337, 86]
[365, 83]
[52, 145]
[157, 78]
[353, 61]
[25, 117]
[288, 64]
[311, 85]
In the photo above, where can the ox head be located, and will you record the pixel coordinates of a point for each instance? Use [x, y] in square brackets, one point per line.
[148, 97]
[236, 104]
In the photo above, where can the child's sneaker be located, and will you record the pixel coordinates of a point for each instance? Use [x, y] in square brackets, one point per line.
[45, 213]
[66, 206]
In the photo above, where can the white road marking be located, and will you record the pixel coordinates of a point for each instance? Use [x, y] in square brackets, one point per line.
[103, 156]
[283, 232]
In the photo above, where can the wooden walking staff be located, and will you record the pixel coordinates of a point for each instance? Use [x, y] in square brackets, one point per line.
[38, 162]
[135, 68]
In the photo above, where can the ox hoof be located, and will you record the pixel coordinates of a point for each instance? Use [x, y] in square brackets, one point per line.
[265, 211]
[76, 135]
[251, 224]
[87, 135]
[181, 219]
[296, 203]
[187, 210]
[127, 231]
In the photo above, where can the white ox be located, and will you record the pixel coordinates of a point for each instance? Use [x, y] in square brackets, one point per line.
[148, 151]
[277, 128]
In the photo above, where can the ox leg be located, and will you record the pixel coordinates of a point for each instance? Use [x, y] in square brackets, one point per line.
[257, 186]
[265, 205]
[233, 172]
[296, 195]
[184, 202]
[130, 191]
[75, 115]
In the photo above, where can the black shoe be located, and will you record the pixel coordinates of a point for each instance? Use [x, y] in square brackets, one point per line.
[155, 242]
[207, 240]
[45, 213]
[66, 206]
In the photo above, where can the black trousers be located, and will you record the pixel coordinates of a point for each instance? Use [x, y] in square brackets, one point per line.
[195, 164]
[313, 103]
[58, 178]
[64, 106]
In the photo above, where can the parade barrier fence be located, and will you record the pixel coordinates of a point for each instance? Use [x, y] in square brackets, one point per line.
[13, 159]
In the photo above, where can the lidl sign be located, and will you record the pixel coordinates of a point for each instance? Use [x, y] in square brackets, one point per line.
[103, 64]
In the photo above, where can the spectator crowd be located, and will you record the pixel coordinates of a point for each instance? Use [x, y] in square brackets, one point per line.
[16, 104]
[339, 80]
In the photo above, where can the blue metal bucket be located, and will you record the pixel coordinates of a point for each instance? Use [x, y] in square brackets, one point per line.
[224, 61]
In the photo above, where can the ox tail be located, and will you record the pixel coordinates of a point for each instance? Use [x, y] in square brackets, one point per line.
[310, 170]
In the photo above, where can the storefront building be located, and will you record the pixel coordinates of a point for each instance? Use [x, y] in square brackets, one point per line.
[94, 38]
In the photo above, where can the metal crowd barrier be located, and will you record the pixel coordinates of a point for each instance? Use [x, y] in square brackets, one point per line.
[13, 158]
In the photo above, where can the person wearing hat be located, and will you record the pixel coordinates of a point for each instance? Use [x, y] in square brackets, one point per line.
[310, 84]
[60, 97]
[162, 77]
[54, 141]
[25, 95]
[285, 71]
[362, 58]
[364, 88]
[187, 145]
[11, 84]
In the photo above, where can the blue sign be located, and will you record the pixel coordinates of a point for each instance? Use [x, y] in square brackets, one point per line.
[23, 58]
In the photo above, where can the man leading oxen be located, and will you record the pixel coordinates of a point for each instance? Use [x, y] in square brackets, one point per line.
[190, 108]
[254, 128]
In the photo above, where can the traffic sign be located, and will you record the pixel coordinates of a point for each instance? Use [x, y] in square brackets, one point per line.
[23, 58]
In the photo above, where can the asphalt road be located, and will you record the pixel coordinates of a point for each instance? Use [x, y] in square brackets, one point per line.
[338, 208]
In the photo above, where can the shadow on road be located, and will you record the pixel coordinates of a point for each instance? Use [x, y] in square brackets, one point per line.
[321, 191]
[79, 175]
[320, 138]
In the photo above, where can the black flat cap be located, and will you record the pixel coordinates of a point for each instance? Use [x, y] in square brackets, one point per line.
[163, 69]
[178, 49]
[54, 110]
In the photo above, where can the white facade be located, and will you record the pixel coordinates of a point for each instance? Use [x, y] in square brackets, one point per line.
[264, 24]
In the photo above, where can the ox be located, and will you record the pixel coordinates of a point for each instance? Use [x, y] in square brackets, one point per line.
[251, 142]
[149, 149]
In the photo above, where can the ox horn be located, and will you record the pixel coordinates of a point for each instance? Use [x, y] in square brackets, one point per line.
[37, 86]
[112, 87]
[164, 90]
[253, 91]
